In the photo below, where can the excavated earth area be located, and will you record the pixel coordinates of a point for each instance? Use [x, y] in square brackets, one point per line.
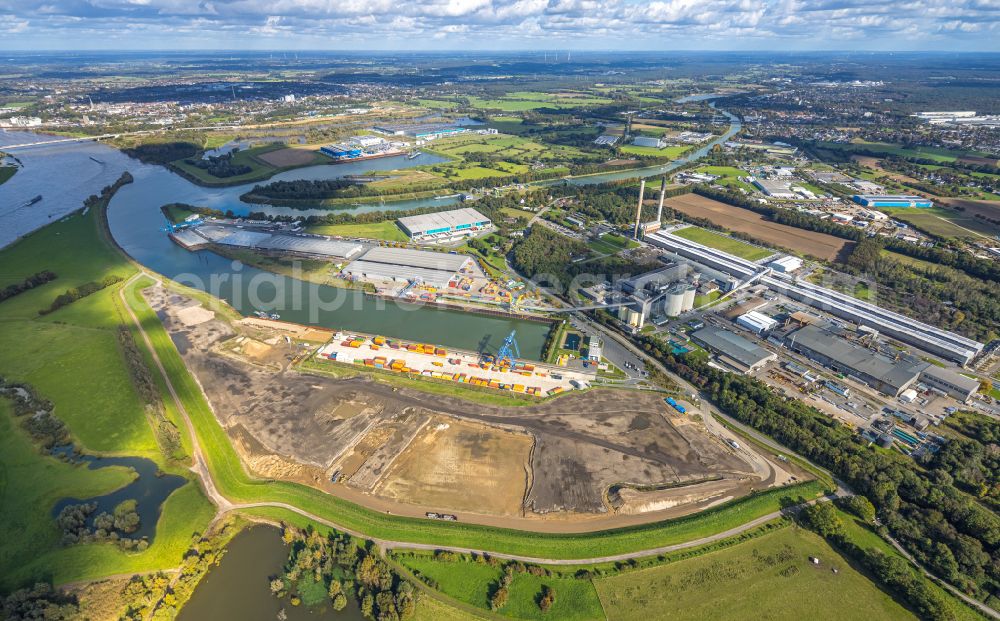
[402, 450]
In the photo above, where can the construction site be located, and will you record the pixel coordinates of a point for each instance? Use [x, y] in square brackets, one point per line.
[582, 460]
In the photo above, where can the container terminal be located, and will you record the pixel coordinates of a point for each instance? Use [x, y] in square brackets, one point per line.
[500, 372]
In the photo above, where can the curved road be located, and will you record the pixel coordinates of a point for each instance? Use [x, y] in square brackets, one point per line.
[224, 505]
[200, 468]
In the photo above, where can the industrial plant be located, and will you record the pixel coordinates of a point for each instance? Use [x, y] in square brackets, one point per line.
[928, 338]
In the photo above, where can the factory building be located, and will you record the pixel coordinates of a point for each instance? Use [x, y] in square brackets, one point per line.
[908, 330]
[314, 246]
[648, 141]
[775, 188]
[639, 307]
[733, 350]
[891, 200]
[786, 265]
[445, 225]
[949, 382]
[655, 280]
[436, 269]
[758, 323]
[825, 346]
[928, 338]
[421, 131]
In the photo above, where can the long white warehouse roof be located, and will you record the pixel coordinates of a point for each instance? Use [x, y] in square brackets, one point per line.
[904, 328]
[448, 220]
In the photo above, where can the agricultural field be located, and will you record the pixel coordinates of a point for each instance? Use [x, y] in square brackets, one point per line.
[804, 242]
[770, 575]
[532, 100]
[724, 243]
[930, 153]
[293, 156]
[946, 223]
[436, 104]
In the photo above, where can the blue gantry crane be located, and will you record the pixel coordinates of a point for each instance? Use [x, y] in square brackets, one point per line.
[508, 351]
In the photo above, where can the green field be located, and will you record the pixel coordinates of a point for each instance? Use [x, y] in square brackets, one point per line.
[929, 153]
[729, 176]
[431, 609]
[724, 243]
[436, 104]
[72, 357]
[942, 222]
[6, 172]
[532, 100]
[767, 577]
[513, 155]
[261, 170]
[472, 583]
[671, 152]
[386, 230]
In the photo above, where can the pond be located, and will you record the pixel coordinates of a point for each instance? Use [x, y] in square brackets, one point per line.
[239, 587]
[149, 489]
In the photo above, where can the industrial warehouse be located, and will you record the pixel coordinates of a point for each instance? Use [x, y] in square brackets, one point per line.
[363, 147]
[864, 361]
[229, 233]
[895, 200]
[933, 340]
[421, 131]
[445, 226]
[403, 265]
[733, 350]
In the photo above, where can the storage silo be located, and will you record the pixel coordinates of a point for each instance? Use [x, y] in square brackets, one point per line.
[689, 292]
[673, 303]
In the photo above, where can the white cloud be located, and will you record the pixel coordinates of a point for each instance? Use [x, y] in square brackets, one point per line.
[626, 24]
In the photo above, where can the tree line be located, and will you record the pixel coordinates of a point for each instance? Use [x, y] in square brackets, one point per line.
[35, 280]
[77, 293]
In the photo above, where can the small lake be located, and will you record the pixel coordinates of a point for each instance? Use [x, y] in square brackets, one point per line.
[150, 489]
[239, 587]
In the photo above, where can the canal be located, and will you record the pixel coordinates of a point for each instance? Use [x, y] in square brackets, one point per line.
[138, 227]
[239, 587]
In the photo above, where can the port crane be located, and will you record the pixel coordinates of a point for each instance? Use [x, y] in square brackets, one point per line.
[509, 350]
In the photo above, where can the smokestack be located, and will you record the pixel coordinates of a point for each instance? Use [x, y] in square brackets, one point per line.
[663, 195]
[638, 209]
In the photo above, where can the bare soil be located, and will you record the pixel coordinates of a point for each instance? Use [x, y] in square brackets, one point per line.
[819, 245]
[407, 452]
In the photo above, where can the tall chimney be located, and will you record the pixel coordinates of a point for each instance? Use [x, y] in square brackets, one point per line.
[663, 195]
[638, 209]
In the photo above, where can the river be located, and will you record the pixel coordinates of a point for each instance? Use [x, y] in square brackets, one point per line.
[137, 225]
[238, 588]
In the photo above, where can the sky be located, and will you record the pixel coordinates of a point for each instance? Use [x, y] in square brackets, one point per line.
[949, 25]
